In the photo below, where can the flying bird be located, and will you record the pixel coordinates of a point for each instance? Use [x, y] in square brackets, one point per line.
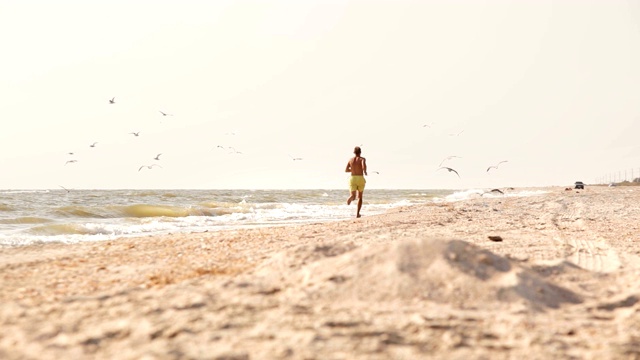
[493, 191]
[157, 157]
[70, 161]
[496, 165]
[112, 101]
[148, 166]
[448, 158]
[458, 134]
[233, 150]
[65, 188]
[135, 133]
[165, 114]
[295, 158]
[450, 170]
[93, 145]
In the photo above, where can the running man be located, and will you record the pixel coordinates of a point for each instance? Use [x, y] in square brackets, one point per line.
[357, 166]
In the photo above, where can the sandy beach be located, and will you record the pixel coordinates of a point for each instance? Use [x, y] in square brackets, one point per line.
[555, 275]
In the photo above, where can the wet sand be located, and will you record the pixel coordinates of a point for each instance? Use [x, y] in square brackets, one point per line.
[555, 275]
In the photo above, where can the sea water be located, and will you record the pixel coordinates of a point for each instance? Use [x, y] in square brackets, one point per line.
[71, 216]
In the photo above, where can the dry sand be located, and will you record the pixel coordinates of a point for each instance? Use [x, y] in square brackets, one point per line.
[419, 282]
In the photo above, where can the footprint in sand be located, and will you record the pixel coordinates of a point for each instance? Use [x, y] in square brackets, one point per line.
[584, 248]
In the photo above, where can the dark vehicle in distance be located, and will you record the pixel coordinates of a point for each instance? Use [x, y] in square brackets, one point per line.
[579, 185]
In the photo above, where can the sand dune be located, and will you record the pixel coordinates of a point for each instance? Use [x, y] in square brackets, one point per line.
[452, 272]
[418, 282]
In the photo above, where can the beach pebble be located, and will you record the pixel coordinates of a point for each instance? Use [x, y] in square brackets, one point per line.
[495, 238]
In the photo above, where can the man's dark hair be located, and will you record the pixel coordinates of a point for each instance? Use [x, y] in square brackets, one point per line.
[357, 150]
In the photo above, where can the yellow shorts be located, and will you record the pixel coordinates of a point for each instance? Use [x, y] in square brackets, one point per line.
[356, 183]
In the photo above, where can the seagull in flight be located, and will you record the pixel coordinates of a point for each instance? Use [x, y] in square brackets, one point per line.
[496, 165]
[448, 158]
[93, 145]
[65, 188]
[449, 169]
[458, 134]
[148, 166]
[112, 101]
[135, 133]
[295, 158]
[157, 157]
[71, 161]
[492, 191]
[233, 150]
[165, 114]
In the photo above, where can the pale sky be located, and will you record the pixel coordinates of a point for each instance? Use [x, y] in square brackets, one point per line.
[552, 87]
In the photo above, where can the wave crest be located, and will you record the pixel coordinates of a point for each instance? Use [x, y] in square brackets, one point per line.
[143, 210]
[25, 220]
[61, 229]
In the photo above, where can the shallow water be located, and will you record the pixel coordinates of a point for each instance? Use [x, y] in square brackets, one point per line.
[40, 216]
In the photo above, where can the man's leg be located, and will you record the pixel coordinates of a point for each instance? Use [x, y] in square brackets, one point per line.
[359, 203]
[351, 198]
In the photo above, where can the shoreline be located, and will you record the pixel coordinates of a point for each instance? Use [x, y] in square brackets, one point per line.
[110, 215]
[418, 281]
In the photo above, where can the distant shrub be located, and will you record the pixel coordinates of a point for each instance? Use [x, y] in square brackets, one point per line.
[635, 182]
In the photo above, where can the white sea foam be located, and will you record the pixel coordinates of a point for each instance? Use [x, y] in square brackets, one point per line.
[476, 193]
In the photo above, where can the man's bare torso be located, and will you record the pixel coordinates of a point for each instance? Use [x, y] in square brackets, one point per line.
[357, 165]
